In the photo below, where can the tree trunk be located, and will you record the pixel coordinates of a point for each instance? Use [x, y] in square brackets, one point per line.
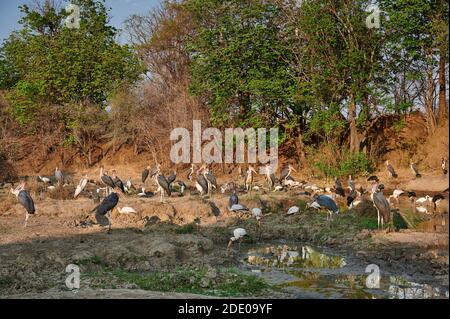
[354, 143]
[443, 110]
[431, 118]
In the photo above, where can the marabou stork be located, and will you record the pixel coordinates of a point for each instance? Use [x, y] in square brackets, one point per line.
[25, 200]
[191, 172]
[391, 170]
[106, 180]
[325, 202]
[338, 189]
[249, 178]
[117, 181]
[381, 204]
[59, 176]
[286, 173]
[415, 170]
[106, 207]
[163, 185]
[270, 176]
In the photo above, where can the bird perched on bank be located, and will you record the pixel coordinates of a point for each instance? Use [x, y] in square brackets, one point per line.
[106, 180]
[126, 210]
[145, 174]
[163, 185]
[191, 172]
[423, 200]
[249, 178]
[80, 187]
[415, 170]
[105, 208]
[210, 178]
[293, 210]
[444, 166]
[351, 183]
[338, 189]
[25, 200]
[391, 170]
[324, 202]
[59, 176]
[395, 195]
[117, 181]
[234, 199]
[270, 176]
[381, 205]
[257, 214]
[286, 173]
[44, 179]
[172, 178]
[440, 204]
[201, 184]
[182, 187]
[129, 185]
[145, 194]
[238, 235]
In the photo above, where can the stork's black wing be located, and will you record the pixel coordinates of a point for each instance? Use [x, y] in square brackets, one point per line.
[107, 204]
[201, 180]
[145, 174]
[118, 182]
[164, 184]
[26, 201]
[212, 179]
[108, 181]
[171, 178]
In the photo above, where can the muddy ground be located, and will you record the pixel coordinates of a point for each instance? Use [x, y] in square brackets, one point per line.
[186, 236]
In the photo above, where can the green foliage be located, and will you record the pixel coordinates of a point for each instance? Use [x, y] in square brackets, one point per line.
[239, 64]
[46, 63]
[341, 163]
[185, 229]
[224, 282]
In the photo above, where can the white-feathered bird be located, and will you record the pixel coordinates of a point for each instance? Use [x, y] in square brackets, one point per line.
[293, 210]
[81, 185]
[423, 200]
[126, 210]
[396, 194]
[238, 235]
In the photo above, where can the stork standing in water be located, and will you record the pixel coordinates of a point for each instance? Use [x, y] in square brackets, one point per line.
[444, 166]
[80, 187]
[238, 235]
[270, 176]
[286, 173]
[415, 170]
[106, 207]
[381, 204]
[25, 200]
[59, 176]
[106, 180]
[391, 170]
[249, 178]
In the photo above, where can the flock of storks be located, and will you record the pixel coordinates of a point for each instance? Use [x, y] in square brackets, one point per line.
[204, 181]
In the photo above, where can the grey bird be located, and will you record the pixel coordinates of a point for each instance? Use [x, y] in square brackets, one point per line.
[103, 211]
[381, 204]
[59, 176]
[415, 170]
[391, 170]
[325, 202]
[25, 200]
[163, 185]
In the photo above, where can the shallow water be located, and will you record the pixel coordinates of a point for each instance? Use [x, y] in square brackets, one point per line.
[303, 271]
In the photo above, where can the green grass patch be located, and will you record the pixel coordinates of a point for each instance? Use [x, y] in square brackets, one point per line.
[226, 282]
[185, 229]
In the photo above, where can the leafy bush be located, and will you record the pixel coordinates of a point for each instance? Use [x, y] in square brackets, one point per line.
[331, 162]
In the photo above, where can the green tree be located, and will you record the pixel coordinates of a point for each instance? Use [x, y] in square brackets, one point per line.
[47, 63]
